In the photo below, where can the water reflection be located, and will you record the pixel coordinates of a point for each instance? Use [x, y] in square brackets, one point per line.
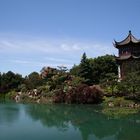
[9, 113]
[87, 120]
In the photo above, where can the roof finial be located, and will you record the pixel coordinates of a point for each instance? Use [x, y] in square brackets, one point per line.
[129, 31]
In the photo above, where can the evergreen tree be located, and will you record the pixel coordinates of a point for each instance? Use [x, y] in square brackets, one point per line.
[85, 70]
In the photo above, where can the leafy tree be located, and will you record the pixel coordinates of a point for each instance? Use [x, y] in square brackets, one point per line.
[96, 68]
[47, 73]
[75, 81]
[101, 66]
[10, 81]
[33, 80]
[75, 70]
[110, 81]
[132, 80]
[130, 86]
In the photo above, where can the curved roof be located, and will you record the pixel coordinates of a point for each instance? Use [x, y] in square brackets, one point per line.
[128, 39]
[125, 57]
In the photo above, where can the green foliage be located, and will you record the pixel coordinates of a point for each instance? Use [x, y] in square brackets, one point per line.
[26, 99]
[101, 66]
[75, 70]
[94, 70]
[33, 80]
[22, 88]
[110, 82]
[9, 81]
[76, 80]
[133, 82]
[131, 66]
[121, 102]
[10, 95]
[85, 70]
[44, 90]
[118, 112]
[66, 86]
[57, 81]
[47, 73]
[62, 69]
[120, 107]
[55, 78]
[130, 86]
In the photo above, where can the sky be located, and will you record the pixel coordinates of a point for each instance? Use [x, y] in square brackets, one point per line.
[38, 33]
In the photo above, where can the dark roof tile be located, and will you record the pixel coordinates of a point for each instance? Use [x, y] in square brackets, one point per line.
[128, 39]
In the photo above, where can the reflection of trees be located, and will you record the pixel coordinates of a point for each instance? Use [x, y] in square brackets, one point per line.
[130, 129]
[8, 113]
[49, 115]
[86, 119]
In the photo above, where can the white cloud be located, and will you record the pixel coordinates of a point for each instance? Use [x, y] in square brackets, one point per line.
[76, 47]
[56, 59]
[72, 47]
[29, 53]
[38, 63]
[53, 46]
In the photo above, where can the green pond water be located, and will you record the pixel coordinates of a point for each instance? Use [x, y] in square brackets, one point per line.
[64, 122]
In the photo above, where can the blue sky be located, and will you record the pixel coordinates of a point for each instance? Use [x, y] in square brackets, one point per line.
[37, 33]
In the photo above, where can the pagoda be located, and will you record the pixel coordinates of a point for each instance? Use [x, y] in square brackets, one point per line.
[128, 59]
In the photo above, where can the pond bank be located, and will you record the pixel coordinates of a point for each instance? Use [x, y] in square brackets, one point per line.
[111, 106]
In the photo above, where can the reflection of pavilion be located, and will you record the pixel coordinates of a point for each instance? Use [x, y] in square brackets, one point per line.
[129, 55]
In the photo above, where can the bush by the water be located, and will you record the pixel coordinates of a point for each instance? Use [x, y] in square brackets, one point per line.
[82, 94]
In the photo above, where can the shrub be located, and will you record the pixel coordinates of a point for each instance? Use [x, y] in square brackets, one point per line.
[58, 96]
[10, 95]
[84, 94]
[43, 90]
[97, 93]
[75, 81]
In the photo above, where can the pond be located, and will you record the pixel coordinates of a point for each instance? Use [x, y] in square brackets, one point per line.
[64, 122]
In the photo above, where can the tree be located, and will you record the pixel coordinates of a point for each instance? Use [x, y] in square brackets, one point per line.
[10, 81]
[132, 80]
[101, 66]
[130, 86]
[75, 70]
[62, 69]
[85, 70]
[33, 80]
[48, 72]
[110, 81]
[96, 68]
